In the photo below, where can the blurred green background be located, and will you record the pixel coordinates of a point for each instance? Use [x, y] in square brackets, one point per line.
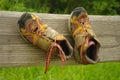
[94, 7]
[100, 71]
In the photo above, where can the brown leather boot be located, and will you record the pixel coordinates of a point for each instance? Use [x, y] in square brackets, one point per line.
[86, 42]
[33, 30]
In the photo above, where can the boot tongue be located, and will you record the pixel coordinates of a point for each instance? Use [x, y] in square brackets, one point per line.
[91, 43]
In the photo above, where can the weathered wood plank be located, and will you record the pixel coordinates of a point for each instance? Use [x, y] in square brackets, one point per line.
[16, 52]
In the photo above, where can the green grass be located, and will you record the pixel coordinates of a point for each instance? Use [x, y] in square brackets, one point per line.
[100, 71]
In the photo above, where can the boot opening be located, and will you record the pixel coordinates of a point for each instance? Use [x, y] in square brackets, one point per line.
[64, 47]
[91, 52]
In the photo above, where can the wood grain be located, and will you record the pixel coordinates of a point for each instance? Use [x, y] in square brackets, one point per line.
[14, 51]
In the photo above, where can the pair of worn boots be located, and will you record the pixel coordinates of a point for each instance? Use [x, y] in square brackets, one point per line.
[86, 44]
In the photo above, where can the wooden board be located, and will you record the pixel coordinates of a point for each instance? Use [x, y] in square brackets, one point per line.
[14, 51]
